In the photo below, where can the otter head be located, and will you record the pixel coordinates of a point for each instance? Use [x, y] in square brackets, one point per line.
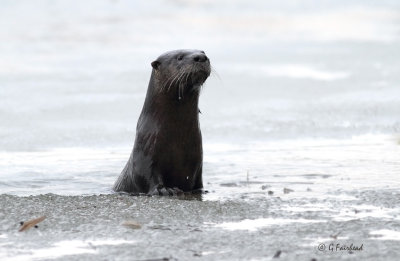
[183, 71]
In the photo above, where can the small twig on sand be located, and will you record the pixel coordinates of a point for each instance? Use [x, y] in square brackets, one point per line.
[132, 224]
[31, 223]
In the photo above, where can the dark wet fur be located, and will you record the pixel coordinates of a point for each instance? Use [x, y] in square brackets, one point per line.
[167, 157]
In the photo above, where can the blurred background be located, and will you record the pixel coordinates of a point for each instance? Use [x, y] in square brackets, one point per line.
[73, 74]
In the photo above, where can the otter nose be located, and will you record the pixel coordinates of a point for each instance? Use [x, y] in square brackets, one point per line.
[200, 58]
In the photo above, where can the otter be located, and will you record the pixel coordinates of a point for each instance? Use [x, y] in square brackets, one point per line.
[167, 156]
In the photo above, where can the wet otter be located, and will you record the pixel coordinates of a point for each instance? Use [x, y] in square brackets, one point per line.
[167, 156]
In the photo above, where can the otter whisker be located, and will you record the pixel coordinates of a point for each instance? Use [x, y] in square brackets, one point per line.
[166, 81]
[182, 72]
[170, 80]
[176, 79]
[185, 80]
[181, 85]
[214, 72]
[187, 77]
[180, 92]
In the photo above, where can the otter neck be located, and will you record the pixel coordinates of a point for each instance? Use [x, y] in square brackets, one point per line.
[170, 103]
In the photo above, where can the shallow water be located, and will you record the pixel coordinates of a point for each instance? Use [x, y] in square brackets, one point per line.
[300, 124]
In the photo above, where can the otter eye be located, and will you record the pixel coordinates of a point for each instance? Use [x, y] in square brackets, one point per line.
[180, 57]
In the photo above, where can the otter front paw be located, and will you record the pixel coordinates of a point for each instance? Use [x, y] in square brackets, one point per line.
[161, 190]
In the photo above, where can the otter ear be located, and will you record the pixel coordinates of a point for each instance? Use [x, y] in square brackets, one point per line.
[155, 64]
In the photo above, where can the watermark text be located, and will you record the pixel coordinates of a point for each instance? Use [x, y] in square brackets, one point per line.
[339, 247]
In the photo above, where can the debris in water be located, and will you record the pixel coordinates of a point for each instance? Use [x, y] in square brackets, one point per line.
[231, 184]
[287, 191]
[277, 254]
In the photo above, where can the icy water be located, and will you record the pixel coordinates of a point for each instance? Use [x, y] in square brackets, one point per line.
[300, 123]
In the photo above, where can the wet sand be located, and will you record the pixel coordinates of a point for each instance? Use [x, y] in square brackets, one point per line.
[90, 227]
